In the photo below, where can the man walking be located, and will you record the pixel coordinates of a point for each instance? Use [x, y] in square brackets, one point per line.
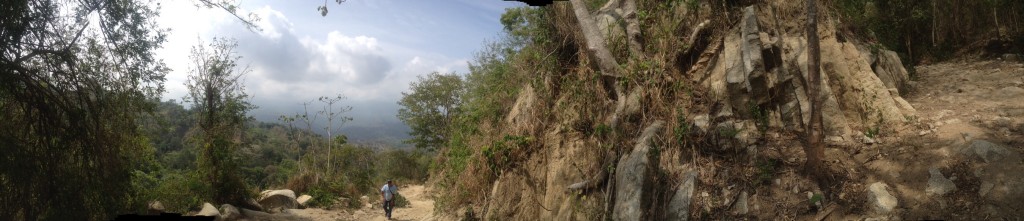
[387, 193]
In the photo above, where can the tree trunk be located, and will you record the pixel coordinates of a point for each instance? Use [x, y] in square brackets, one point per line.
[595, 41]
[935, 22]
[813, 146]
[995, 16]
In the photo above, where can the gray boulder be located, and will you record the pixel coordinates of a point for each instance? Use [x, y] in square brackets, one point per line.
[633, 176]
[229, 213]
[679, 206]
[278, 200]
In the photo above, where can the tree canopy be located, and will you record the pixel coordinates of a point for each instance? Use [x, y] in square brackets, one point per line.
[430, 107]
[218, 96]
[74, 77]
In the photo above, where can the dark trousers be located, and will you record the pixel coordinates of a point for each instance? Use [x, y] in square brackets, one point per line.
[388, 206]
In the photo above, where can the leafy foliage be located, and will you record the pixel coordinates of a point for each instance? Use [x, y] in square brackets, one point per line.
[219, 100]
[431, 107]
[74, 78]
[476, 148]
[362, 171]
[500, 153]
[932, 28]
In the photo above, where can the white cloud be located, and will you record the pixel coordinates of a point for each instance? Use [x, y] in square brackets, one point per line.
[187, 24]
[289, 68]
[354, 59]
[272, 23]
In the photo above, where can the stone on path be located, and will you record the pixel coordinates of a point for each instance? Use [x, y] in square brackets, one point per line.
[879, 198]
[209, 210]
[987, 151]
[938, 184]
[741, 206]
[303, 200]
[229, 213]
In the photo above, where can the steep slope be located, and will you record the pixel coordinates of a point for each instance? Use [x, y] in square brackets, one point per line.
[704, 123]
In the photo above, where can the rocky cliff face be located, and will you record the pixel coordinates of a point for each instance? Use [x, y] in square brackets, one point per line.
[761, 71]
[753, 69]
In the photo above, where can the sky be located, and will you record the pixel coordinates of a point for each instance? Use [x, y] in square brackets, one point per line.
[367, 50]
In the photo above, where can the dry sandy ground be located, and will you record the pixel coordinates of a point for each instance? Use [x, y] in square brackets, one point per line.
[421, 208]
[957, 103]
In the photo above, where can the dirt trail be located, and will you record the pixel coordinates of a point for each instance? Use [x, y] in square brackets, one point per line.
[958, 103]
[421, 208]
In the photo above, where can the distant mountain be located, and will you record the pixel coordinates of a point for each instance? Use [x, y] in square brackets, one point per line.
[388, 133]
[373, 122]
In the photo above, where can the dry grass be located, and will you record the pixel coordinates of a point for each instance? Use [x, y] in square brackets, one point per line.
[302, 183]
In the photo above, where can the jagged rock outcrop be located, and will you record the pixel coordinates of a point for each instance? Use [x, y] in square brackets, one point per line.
[754, 70]
[890, 70]
[759, 70]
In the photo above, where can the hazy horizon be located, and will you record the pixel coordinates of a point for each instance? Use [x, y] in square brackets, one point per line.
[368, 51]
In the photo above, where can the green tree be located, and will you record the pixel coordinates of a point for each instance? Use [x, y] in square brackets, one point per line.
[218, 98]
[430, 108]
[75, 76]
[292, 140]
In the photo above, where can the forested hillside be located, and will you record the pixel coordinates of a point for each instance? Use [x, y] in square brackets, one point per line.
[272, 155]
[276, 155]
[85, 135]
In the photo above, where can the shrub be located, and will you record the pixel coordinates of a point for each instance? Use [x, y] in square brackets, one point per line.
[180, 191]
[401, 201]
